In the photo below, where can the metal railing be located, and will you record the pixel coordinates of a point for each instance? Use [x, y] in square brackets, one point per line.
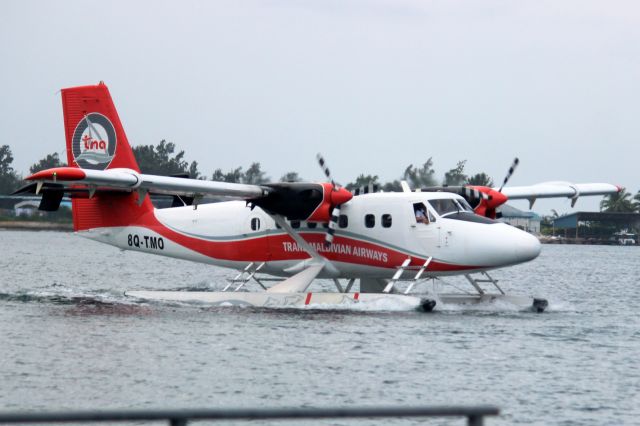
[474, 415]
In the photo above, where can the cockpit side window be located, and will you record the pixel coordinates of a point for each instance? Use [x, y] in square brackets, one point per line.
[432, 217]
[420, 211]
[445, 206]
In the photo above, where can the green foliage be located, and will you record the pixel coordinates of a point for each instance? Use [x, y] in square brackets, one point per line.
[420, 177]
[291, 177]
[636, 202]
[160, 160]
[48, 162]
[393, 186]
[232, 176]
[9, 179]
[456, 176]
[479, 179]
[618, 202]
[254, 175]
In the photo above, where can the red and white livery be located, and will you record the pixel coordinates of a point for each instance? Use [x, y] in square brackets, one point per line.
[296, 231]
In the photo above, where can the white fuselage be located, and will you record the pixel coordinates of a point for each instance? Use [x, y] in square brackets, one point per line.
[380, 232]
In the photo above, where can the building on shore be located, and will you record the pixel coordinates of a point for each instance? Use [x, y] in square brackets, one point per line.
[602, 226]
[527, 221]
[28, 208]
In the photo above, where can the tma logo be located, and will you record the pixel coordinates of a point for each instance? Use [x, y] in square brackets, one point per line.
[94, 142]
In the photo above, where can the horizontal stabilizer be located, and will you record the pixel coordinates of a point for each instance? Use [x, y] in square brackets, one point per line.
[130, 180]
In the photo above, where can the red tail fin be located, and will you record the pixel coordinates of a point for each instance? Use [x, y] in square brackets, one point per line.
[95, 137]
[96, 140]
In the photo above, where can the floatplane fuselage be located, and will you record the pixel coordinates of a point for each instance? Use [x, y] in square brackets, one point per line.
[376, 233]
[297, 231]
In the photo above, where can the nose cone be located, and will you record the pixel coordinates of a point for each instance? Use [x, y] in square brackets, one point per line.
[499, 245]
[497, 199]
[527, 246]
[340, 196]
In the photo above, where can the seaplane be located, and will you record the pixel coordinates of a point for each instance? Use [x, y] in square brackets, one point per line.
[282, 237]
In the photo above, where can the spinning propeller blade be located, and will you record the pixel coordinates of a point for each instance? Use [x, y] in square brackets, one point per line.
[335, 209]
[331, 230]
[509, 173]
[325, 169]
[473, 194]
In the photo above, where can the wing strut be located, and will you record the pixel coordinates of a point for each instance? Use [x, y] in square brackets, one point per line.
[298, 239]
[299, 282]
[309, 268]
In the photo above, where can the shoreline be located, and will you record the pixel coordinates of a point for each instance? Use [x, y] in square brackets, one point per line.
[19, 225]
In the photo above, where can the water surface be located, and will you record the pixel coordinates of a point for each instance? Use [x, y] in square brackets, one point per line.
[70, 339]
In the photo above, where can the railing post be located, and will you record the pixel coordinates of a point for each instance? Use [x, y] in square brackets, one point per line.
[177, 422]
[476, 420]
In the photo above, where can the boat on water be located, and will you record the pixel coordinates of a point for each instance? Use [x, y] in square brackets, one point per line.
[625, 238]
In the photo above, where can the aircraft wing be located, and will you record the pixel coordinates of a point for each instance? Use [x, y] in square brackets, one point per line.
[129, 180]
[558, 190]
[295, 201]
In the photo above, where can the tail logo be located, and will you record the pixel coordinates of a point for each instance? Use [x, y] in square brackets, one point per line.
[94, 142]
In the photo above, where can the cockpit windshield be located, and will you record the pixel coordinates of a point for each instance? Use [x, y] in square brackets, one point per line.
[465, 205]
[446, 206]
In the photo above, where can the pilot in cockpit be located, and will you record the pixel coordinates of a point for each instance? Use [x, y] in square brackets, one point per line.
[421, 213]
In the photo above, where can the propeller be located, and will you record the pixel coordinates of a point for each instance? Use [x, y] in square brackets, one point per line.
[337, 199]
[497, 197]
[483, 199]
[325, 169]
[509, 173]
[473, 196]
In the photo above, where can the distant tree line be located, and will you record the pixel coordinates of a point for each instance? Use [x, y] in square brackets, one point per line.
[9, 179]
[162, 159]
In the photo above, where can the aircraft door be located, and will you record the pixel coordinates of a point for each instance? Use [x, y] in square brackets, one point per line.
[255, 230]
[425, 227]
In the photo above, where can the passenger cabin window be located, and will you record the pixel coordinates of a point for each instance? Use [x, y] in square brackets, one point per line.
[445, 206]
[386, 221]
[420, 211]
[312, 225]
[369, 221]
[295, 224]
[343, 221]
[255, 224]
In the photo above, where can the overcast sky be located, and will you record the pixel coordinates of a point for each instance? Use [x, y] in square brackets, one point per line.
[374, 85]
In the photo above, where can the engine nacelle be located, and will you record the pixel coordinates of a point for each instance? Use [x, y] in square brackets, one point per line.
[487, 207]
[312, 202]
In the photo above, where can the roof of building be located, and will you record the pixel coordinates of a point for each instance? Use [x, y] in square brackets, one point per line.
[512, 212]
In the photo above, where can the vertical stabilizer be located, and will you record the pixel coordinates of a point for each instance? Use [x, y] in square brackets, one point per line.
[96, 140]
